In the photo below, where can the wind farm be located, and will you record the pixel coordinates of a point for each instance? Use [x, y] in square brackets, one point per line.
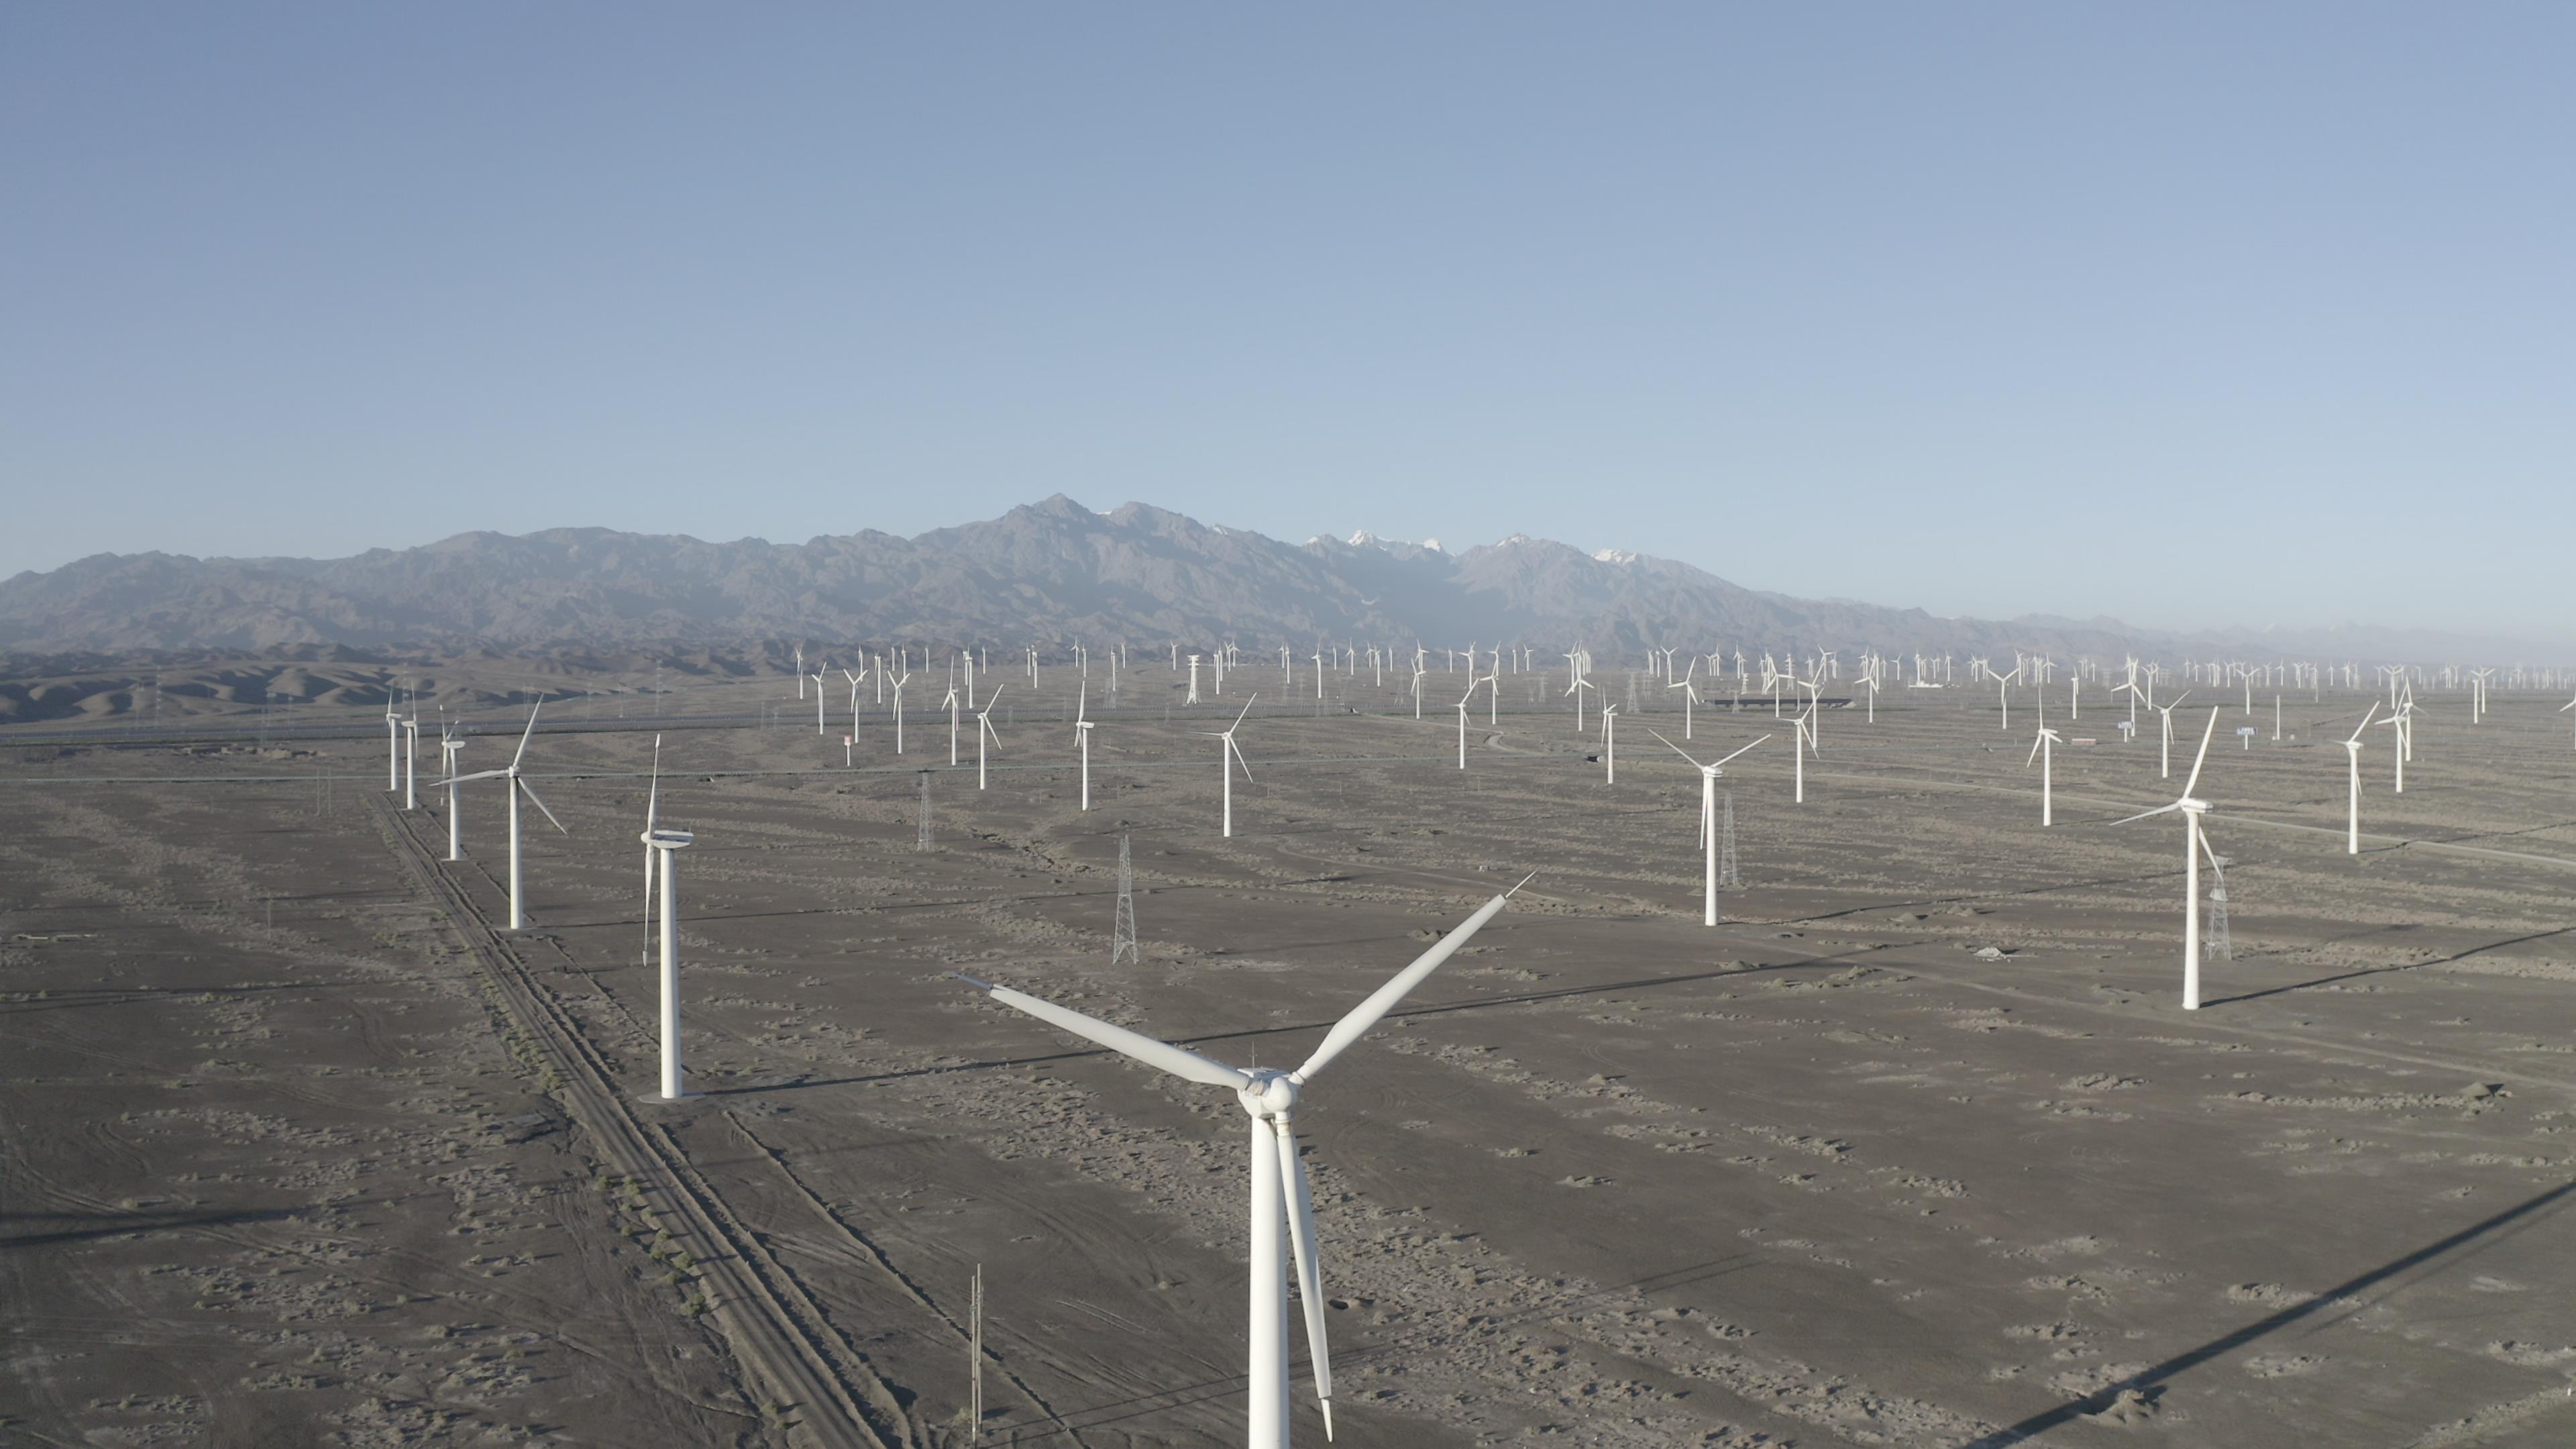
[1904, 1133]
[1716, 727]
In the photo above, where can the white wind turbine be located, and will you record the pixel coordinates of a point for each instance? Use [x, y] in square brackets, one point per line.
[1576, 689]
[818, 703]
[2564, 708]
[2041, 749]
[1707, 817]
[518, 786]
[2164, 768]
[1228, 755]
[1082, 731]
[449, 744]
[1690, 694]
[666, 843]
[2352, 759]
[1472, 684]
[1280, 1196]
[1802, 746]
[1418, 676]
[1610, 744]
[2403, 721]
[2003, 693]
[984, 732]
[393, 744]
[855, 681]
[2192, 848]
[411, 758]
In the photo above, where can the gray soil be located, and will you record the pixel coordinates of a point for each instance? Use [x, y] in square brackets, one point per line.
[1917, 1149]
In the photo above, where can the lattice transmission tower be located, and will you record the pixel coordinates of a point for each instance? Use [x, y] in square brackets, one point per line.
[925, 840]
[1122, 938]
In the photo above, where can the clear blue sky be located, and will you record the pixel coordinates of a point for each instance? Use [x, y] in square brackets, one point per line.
[2192, 314]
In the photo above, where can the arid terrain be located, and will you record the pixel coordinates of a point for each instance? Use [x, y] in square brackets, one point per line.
[1917, 1149]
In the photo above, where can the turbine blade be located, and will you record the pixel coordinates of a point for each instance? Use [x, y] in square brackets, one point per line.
[522, 782]
[2143, 814]
[1365, 1015]
[1747, 747]
[1676, 749]
[1237, 751]
[465, 779]
[1081, 703]
[2034, 753]
[531, 729]
[1238, 719]
[1179, 1061]
[653, 796]
[1310, 1286]
[2212, 729]
[2365, 719]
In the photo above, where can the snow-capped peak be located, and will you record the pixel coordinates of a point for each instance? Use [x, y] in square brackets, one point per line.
[1614, 556]
[1362, 538]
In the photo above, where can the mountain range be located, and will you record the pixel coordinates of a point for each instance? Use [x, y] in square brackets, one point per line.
[1052, 572]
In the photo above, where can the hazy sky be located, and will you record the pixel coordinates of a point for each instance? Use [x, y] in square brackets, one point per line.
[2189, 314]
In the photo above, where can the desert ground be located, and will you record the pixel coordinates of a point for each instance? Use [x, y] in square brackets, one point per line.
[1917, 1148]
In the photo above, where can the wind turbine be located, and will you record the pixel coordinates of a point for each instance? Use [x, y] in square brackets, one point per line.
[1707, 816]
[855, 681]
[2192, 847]
[667, 843]
[1280, 1196]
[2562, 709]
[818, 703]
[449, 743]
[1082, 731]
[393, 744]
[2041, 750]
[1806, 737]
[2352, 757]
[1228, 755]
[1576, 689]
[984, 731]
[1610, 744]
[411, 757]
[2003, 693]
[2403, 721]
[1472, 682]
[2164, 769]
[1690, 694]
[518, 786]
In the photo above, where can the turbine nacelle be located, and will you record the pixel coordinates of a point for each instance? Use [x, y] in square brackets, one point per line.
[1271, 1095]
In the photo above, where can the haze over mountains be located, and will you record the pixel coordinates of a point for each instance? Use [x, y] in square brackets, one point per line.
[1046, 571]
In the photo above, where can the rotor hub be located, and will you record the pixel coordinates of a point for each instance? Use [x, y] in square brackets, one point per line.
[1271, 1095]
